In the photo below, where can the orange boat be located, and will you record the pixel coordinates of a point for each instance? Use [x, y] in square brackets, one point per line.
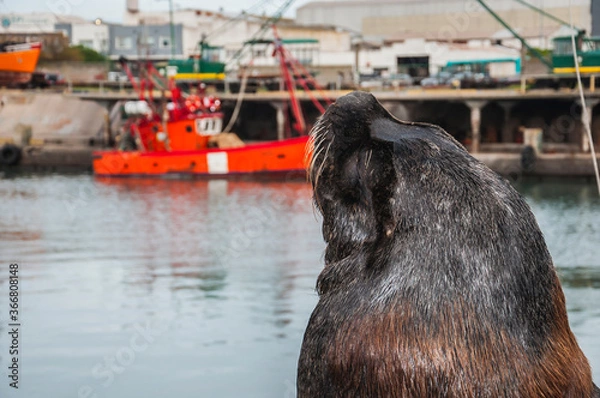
[284, 157]
[18, 61]
[190, 143]
[183, 137]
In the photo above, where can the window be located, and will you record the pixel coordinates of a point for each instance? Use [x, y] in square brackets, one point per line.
[591, 44]
[164, 42]
[123, 43]
[146, 42]
[257, 53]
[104, 46]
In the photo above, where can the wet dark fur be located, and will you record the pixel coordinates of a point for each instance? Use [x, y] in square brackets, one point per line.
[437, 280]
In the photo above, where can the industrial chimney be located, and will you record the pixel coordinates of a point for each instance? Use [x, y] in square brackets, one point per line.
[132, 6]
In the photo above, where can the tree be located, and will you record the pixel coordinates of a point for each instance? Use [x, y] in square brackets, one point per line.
[76, 53]
[89, 55]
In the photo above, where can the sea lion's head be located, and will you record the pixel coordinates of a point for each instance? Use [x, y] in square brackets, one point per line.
[371, 172]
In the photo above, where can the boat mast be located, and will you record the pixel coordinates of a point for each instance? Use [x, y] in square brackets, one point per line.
[300, 124]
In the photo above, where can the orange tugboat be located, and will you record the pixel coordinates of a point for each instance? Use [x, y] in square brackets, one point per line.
[183, 137]
[278, 157]
[18, 61]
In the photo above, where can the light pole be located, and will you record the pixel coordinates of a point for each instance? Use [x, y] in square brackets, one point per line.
[172, 28]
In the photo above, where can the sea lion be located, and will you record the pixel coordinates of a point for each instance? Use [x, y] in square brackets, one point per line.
[437, 280]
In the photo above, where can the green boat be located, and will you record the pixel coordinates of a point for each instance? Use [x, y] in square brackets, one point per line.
[588, 49]
[205, 66]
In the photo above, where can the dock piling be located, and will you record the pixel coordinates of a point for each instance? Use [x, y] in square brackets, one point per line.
[475, 107]
[586, 117]
[280, 119]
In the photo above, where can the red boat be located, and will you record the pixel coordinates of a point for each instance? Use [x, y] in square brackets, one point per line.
[183, 137]
[277, 157]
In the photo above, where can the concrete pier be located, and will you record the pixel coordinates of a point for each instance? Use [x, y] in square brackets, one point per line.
[490, 123]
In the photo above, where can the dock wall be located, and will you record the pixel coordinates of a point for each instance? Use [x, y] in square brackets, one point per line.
[51, 129]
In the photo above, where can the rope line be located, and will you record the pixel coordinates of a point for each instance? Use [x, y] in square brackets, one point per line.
[238, 104]
[586, 116]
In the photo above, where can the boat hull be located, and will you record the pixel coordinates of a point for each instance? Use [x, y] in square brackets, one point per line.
[20, 61]
[277, 157]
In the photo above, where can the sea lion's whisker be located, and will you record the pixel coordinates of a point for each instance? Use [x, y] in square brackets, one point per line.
[314, 143]
[312, 163]
[369, 158]
[320, 170]
[317, 145]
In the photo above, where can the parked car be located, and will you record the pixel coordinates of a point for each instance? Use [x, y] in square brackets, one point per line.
[483, 80]
[439, 80]
[38, 80]
[370, 81]
[54, 79]
[508, 81]
[371, 84]
[463, 80]
[44, 80]
[398, 80]
[468, 79]
[114, 76]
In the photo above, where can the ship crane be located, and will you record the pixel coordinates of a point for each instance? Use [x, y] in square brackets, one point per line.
[535, 52]
[562, 57]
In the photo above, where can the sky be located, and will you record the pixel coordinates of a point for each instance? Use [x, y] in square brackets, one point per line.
[113, 10]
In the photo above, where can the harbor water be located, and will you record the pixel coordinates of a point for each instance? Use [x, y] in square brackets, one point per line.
[156, 288]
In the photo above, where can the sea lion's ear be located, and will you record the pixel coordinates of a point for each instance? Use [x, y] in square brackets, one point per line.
[387, 129]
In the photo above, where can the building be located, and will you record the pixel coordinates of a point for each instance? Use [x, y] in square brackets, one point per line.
[94, 35]
[378, 37]
[231, 32]
[420, 37]
[447, 20]
[48, 28]
[153, 35]
[421, 57]
[146, 41]
[38, 23]
[595, 18]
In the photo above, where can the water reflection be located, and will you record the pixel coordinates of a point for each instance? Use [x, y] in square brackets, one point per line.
[227, 267]
[220, 274]
[580, 277]
[568, 212]
[201, 228]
